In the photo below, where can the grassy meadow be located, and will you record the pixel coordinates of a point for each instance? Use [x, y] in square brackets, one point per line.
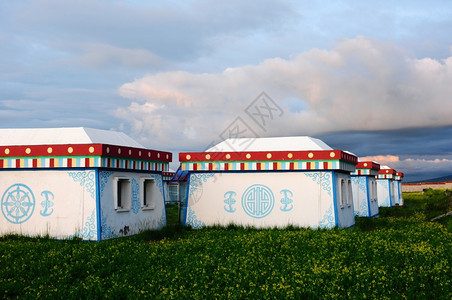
[399, 255]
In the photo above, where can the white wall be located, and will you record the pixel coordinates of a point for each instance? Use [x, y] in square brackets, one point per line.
[364, 204]
[384, 192]
[286, 198]
[60, 203]
[344, 208]
[398, 192]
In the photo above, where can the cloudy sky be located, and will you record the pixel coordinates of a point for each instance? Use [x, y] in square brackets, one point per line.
[370, 77]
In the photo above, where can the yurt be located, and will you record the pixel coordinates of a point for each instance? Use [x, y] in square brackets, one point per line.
[385, 186]
[269, 182]
[364, 187]
[79, 182]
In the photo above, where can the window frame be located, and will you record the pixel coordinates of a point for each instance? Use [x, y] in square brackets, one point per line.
[122, 194]
[342, 192]
[145, 194]
[349, 193]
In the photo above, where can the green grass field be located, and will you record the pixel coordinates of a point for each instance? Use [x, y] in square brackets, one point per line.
[400, 255]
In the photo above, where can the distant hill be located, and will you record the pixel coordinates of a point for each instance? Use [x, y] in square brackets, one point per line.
[439, 179]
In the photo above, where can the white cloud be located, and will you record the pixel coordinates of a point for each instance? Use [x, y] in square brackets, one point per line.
[361, 84]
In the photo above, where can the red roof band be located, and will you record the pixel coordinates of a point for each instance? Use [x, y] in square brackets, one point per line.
[267, 156]
[387, 171]
[85, 150]
[368, 165]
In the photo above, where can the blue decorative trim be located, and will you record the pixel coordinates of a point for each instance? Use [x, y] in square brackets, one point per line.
[186, 201]
[158, 180]
[135, 205]
[85, 178]
[368, 196]
[197, 179]
[47, 204]
[18, 203]
[286, 201]
[193, 220]
[322, 178]
[107, 232]
[333, 180]
[258, 201]
[98, 206]
[103, 179]
[362, 183]
[229, 201]
[89, 230]
[328, 219]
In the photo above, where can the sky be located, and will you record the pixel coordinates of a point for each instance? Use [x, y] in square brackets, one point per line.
[370, 77]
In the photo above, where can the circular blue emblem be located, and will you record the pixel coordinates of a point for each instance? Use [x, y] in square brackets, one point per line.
[258, 201]
[18, 203]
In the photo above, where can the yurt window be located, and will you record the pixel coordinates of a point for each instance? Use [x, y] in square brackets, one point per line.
[343, 193]
[123, 194]
[349, 193]
[374, 190]
[149, 189]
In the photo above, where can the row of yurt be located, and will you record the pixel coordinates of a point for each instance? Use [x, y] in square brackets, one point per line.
[89, 183]
[98, 184]
[389, 187]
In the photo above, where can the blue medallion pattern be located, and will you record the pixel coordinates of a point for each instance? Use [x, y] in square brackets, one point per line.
[47, 203]
[18, 203]
[286, 201]
[328, 219]
[323, 178]
[136, 205]
[258, 201]
[88, 179]
[103, 179]
[192, 220]
[229, 201]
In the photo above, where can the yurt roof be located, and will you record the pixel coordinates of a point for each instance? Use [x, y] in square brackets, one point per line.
[269, 154]
[64, 136]
[77, 147]
[291, 143]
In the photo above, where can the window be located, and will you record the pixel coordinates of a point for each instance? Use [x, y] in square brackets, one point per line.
[374, 190]
[149, 190]
[342, 193]
[123, 194]
[349, 193]
[173, 193]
